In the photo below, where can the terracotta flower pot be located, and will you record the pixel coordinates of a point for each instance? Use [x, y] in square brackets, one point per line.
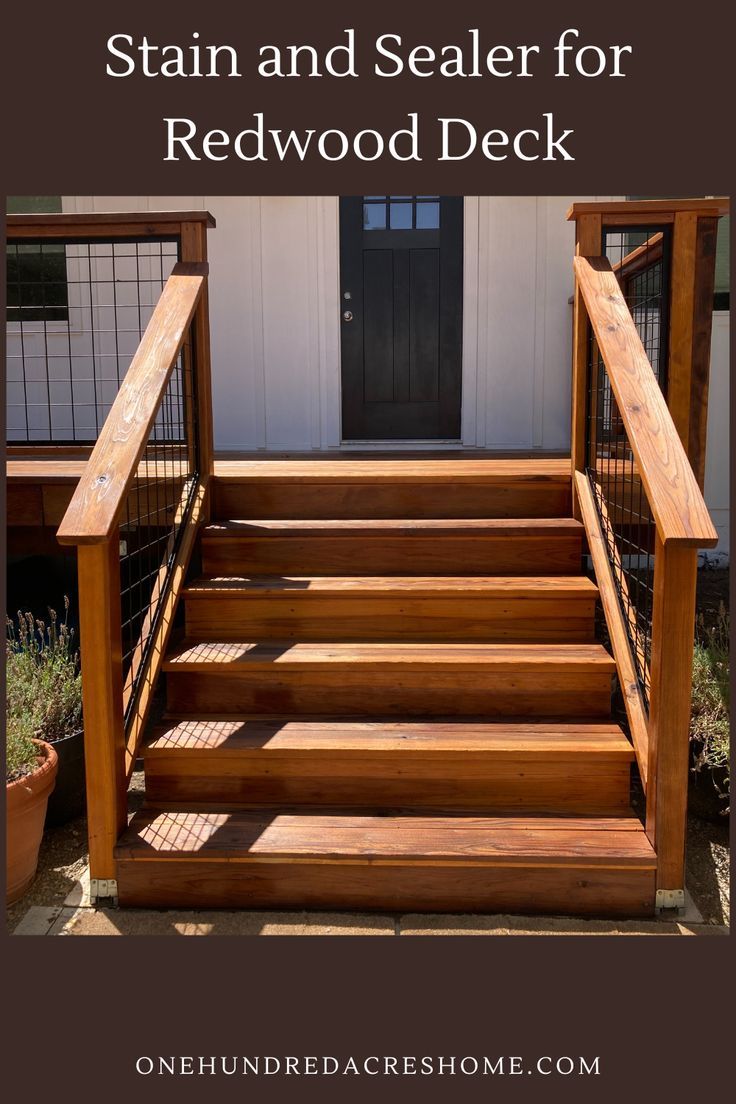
[26, 811]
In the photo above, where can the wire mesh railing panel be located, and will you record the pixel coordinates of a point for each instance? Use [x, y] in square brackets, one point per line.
[76, 314]
[640, 257]
[154, 517]
[624, 511]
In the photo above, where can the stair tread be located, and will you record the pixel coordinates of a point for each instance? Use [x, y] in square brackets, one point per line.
[195, 655]
[511, 586]
[276, 736]
[484, 471]
[265, 527]
[259, 835]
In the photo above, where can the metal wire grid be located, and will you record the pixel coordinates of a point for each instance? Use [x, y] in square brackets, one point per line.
[640, 257]
[156, 512]
[624, 512]
[76, 314]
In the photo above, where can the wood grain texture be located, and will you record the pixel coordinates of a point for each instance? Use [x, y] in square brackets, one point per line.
[490, 471]
[513, 658]
[23, 506]
[382, 547]
[194, 251]
[528, 741]
[102, 224]
[705, 270]
[98, 568]
[490, 840]
[100, 494]
[588, 243]
[559, 608]
[363, 679]
[673, 629]
[601, 866]
[583, 769]
[636, 710]
[716, 205]
[682, 294]
[398, 887]
[672, 490]
[335, 499]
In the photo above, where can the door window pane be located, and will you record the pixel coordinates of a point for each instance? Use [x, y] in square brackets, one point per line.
[374, 216]
[399, 212]
[428, 216]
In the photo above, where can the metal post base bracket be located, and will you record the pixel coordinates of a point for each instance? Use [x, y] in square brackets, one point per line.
[103, 889]
[670, 899]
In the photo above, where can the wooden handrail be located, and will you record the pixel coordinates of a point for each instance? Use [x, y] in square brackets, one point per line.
[636, 711]
[100, 494]
[639, 259]
[107, 225]
[674, 496]
[619, 212]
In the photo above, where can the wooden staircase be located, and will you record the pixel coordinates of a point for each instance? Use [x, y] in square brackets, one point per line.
[388, 696]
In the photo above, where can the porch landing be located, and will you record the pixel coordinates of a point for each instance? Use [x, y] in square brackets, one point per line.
[40, 487]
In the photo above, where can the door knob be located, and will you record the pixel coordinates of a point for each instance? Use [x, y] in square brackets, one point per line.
[347, 316]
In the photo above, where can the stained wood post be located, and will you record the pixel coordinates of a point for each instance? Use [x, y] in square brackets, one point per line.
[194, 248]
[673, 630]
[588, 243]
[692, 286]
[98, 567]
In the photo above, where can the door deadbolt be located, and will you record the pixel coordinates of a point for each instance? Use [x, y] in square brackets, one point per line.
[347, 316]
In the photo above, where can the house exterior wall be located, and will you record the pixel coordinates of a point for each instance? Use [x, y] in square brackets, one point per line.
[275, 325]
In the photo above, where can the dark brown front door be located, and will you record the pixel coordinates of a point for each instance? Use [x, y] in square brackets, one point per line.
[401, 305]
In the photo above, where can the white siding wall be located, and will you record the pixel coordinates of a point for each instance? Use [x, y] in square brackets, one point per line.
[718, 453]
[275, 325]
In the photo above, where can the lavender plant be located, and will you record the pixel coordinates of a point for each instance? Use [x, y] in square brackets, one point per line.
[44, 684]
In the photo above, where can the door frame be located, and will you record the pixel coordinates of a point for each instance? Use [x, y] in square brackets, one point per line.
[324, 238]
[469, 351]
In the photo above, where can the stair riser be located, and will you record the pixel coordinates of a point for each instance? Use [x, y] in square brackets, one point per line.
[405, 500]
[393, 555]
[406, 690]
[455, 618]
[399, 887]
[401, 780]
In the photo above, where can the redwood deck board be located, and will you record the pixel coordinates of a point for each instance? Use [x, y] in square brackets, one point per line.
[518, 841]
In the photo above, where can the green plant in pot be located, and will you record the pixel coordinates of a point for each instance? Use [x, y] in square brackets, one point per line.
[31, 767]
[44, 685]
[710, 732]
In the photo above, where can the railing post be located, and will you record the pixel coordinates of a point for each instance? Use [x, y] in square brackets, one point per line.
[194, 248]
[98, 567]
[673, 630]
[587, 244]
[691, 312]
